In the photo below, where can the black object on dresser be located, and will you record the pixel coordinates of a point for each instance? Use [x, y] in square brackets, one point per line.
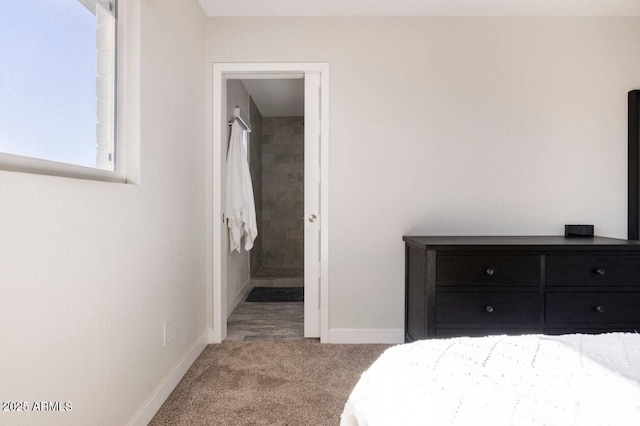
[476, 286]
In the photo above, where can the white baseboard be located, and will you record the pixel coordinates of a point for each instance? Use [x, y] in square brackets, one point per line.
[239, 297]
[366, 335]
[164, 390]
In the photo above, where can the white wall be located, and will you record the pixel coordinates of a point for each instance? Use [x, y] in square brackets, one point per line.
[455, 126]
[89, 271]
[237, 263]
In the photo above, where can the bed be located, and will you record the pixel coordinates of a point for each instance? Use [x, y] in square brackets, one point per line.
[573, 379]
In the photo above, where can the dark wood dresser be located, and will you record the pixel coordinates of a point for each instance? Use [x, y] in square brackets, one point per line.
[476, 286]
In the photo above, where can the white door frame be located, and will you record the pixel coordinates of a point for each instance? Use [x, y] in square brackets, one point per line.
[216, 281]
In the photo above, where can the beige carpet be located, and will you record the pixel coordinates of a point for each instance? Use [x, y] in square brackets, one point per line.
[298, 382]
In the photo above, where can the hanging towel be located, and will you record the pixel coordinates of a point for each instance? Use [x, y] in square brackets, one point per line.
[240, 209]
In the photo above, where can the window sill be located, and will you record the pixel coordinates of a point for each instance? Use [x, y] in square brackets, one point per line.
[17, 163]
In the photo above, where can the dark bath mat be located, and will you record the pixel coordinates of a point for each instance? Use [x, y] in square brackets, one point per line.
[276, 294]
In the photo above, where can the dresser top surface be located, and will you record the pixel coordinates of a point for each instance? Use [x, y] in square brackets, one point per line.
[551, 242]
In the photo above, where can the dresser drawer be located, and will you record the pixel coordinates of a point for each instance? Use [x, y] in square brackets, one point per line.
[592, 307]
[488, 307]
[443, 333]
[593, 270]
[592, 330]
[488, 270]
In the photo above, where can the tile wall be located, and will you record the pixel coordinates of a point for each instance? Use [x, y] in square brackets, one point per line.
[282, 194]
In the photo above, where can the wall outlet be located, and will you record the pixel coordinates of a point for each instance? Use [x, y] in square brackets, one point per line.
[168, 334]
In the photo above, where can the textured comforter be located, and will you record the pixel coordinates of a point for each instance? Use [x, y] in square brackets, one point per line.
[499, 380]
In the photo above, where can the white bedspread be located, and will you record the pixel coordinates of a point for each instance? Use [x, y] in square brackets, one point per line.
[536, 380]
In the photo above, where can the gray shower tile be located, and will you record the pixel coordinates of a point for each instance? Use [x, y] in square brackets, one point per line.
[282, 192]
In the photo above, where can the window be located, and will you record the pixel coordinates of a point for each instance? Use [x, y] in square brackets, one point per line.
[58, 82]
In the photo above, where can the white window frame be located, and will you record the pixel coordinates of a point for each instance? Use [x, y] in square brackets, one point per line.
[23, 164]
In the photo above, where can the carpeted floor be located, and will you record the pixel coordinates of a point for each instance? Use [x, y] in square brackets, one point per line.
[300, 382]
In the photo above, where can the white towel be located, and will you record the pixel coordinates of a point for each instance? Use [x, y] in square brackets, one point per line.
[240, 209]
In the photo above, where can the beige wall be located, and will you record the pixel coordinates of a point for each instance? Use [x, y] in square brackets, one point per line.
[454, 126]
[89, 271]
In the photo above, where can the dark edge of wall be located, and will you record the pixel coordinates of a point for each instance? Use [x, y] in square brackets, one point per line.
[633, 226]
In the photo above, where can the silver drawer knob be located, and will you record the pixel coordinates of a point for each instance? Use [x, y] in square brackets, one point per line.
[490, 271]
[488, 308]
[313, 218]
[599, 309]
[600, 271]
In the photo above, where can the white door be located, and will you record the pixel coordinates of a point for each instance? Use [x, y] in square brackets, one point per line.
[312, 218]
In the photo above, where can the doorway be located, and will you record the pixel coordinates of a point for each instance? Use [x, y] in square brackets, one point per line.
[265, 286]
[314, 78]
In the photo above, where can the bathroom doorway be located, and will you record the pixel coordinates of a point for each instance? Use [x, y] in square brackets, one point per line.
[276, 159]
[268, 303]
[287, 151]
